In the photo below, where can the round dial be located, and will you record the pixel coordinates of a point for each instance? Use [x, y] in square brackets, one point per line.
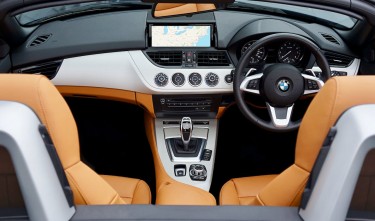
[290, 53]
[178, 79]
[161, 79]
[195, 79]
[256, 57]
[212, 79]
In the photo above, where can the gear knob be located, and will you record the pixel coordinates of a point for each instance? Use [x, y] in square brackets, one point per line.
[186, 128]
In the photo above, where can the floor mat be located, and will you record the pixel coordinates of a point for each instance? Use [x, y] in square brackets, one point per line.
[113, 139]
[243, 149]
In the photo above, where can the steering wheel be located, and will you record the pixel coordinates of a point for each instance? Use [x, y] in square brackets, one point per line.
[281, 85]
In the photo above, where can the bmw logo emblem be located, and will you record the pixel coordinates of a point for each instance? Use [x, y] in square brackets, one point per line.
[283, 85]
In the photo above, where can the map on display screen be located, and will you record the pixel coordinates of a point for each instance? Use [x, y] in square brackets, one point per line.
[181, 36]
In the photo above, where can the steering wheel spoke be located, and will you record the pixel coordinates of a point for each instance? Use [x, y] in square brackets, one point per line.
[313, 84]
[280, 116]
[251, 83]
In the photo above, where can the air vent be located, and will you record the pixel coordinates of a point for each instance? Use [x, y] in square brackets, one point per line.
[49, 69]
[216, 58]
[40, 40]
[330, 38]
[166, 58]
[338, 60]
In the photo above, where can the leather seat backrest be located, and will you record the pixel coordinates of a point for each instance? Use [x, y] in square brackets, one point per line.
[168, 9]
[37, 92]
[338, 95]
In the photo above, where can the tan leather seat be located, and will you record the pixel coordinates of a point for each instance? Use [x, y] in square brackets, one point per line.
[168, 9]
[88, 187]
[285, 189]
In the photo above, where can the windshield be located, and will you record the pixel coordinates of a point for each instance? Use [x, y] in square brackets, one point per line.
[315, 15]
[331, 18]
[41, 15]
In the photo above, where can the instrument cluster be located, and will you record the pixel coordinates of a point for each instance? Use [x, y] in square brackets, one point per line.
[288, 52]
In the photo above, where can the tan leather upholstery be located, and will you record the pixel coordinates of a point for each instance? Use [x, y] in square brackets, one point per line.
[168, 9]
[338, 95]
[41, 95]
[176, 193]
[130, 190]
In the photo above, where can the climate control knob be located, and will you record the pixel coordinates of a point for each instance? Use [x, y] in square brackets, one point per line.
[212, 79]
[178, 79]
[161, 79]
[195, 79]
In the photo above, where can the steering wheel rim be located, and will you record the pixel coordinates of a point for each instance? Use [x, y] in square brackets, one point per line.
[239, 78]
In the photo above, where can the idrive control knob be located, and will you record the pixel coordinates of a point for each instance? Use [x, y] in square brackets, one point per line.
[198, 172]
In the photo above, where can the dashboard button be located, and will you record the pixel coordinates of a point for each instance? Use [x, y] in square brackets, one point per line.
[228, 79]
[178, 79]
[195, 79]
[161, 79]
[212, 79]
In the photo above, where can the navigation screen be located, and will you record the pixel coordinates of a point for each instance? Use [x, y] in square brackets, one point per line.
[181, 36]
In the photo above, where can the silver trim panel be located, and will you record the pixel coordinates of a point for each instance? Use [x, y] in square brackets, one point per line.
[133, 71]
[245, 82]
[316, 79]
[280, 122]
[352, 70]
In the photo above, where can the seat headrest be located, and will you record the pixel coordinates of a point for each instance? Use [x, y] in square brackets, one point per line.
[37, 92]
[338, 95]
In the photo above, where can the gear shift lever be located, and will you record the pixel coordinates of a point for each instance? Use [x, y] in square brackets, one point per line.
[186, 129]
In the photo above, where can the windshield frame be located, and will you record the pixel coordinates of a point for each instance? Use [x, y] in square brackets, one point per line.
[326, 6]
[267, 7]
[81, 7]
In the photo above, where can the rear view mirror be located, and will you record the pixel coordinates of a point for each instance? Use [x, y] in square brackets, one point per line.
[166, 8]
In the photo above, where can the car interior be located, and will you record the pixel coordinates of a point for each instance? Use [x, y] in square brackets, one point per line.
[194, 104]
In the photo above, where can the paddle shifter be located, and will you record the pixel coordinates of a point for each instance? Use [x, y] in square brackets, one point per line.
[186, 129]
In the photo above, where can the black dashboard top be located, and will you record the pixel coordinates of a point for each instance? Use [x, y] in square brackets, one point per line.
[127, 30]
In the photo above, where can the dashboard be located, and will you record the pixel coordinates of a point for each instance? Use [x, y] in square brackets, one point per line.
[171, 57]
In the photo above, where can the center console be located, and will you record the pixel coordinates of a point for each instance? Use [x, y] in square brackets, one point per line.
[186, 133]
[190, 162]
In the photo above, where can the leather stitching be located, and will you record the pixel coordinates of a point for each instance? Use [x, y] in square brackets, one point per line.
[235, 188]
[114, 199]
[260, 200]
[135, 190]
[336, 98]
[76, 186]
[301, 186]
[41, 104]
